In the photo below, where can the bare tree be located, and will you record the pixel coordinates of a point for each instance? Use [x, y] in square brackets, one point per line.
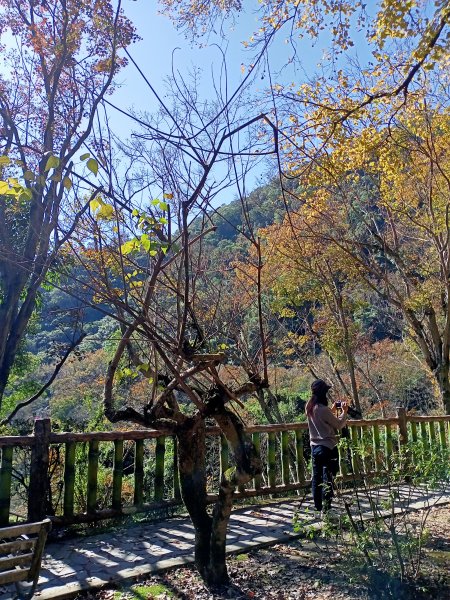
[142, 248]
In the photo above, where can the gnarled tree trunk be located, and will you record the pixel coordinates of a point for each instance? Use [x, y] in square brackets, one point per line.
[211, 530]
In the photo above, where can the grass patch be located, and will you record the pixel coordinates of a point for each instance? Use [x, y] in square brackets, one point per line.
[241, 557]
[146, 592]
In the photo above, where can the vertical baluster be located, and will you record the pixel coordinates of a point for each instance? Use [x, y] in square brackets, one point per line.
[355, 450]
[432, 433]
[367, 454]
[256, 439]
[176, 473]
[117, 475]
[425, 439]
[414, 439]
[343, 460]
[159, 467]
[377, 448]
[271, 459]
[299, 455]
[414, 431]
[5, 484]
[92, 476]
[388, 445]
[442, 435]
[69, 479]
[285, 457]
[138, 498]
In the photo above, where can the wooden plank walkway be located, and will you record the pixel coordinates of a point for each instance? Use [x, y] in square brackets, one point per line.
[92, 562]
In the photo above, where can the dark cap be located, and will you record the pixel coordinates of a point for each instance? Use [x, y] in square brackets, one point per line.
[320, 386]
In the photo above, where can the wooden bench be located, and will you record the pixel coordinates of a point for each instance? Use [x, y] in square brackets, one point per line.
[21, 548]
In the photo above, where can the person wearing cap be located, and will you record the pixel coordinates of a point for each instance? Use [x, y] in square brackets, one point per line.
[323, 426]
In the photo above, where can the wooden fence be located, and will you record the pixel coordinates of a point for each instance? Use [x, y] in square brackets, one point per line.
[83, 477]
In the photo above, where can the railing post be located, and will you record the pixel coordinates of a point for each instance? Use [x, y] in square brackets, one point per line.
[402, 426]
[38, 488]
[5, 484]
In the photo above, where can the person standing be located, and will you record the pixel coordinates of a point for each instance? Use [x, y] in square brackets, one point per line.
[323, 426]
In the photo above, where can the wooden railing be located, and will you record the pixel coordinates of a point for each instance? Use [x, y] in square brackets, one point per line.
[83, 477]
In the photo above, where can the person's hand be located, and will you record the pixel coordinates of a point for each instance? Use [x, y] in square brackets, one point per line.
[344, 406]
[334, 407]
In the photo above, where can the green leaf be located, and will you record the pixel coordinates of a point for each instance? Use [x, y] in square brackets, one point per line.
[29, 176]
[52, 163]
[146, 243]
[128, 247]
[163, 205]
[4, 160]
[135, 213]
[26, 194]
[67, 183]
[92, 165]
[230, 473]
[85, 156]
[163, 220]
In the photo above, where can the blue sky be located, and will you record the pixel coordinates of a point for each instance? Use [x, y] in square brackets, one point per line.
[160, 42]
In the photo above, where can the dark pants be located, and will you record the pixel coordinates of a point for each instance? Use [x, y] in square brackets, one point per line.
[325, 465]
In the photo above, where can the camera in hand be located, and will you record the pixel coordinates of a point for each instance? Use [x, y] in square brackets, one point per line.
[338, 404]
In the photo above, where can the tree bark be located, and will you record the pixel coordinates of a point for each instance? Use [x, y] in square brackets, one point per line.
[192, 469]
[443, 379]
[211, 531]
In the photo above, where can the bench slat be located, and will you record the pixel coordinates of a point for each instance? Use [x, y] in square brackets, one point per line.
[25, 528]
[21, 560]
[9, 547]
[14, 575]
[12, 561]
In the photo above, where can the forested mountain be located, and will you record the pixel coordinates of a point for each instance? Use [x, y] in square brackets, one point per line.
[59, 312]
[304, 339]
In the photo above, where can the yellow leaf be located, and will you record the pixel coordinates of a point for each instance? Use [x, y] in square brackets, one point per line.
[92, 165]
[52, 163]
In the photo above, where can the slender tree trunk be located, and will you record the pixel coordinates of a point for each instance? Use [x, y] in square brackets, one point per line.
[349, 354]
[443, 378]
